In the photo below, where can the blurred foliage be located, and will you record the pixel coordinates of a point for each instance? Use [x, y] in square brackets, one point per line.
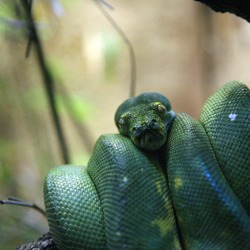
[27, 138]
[28, 144]
[18, 225]
[80, 110]
[111, 53]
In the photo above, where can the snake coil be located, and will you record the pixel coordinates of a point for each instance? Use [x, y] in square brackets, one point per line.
[167, 181]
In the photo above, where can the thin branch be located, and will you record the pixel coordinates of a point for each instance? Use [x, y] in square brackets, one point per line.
[17, 202]
[108, 5]
[30, 34]
[48, 83]
[127, 42]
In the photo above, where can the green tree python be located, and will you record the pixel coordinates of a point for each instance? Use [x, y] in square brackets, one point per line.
[166, 181]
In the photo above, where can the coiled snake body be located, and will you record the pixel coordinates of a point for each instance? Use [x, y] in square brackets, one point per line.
[165, 182]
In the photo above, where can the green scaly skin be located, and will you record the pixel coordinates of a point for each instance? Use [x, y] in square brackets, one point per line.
[164, 182]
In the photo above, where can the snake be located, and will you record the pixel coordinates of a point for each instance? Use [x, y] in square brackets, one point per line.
[165, 181]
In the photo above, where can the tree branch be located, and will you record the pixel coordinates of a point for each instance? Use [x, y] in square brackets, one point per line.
[48, 79]
[45, 242]
[17, 202]
[240, 8]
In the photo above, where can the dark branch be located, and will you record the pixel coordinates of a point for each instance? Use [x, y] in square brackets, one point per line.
[240, 7]
[30, 35]
[45, 242]
[48, 81]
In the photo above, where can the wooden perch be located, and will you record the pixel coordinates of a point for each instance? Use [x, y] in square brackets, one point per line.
[45, 242]
[240, 8]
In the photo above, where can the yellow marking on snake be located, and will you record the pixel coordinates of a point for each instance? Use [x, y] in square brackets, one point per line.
[159, 187]
[177, 182]
[164, 194]
[164, 224]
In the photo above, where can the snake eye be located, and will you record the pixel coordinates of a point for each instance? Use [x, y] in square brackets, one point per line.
[161, 108]
[122, 122]
[122, 126]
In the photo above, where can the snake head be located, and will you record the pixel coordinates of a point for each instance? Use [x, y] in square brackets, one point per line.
[145, 119]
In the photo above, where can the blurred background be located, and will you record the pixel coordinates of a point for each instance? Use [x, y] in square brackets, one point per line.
[183, 50]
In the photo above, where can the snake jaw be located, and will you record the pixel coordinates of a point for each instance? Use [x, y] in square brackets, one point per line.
[149, 139]
[151, 133]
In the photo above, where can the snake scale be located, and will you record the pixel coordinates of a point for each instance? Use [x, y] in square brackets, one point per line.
[166, 181]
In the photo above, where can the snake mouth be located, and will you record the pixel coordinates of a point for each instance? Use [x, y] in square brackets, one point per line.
[150, 140]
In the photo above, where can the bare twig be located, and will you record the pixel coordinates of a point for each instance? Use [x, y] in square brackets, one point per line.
[17, 202]
[48, 82]
[127, 42]
[107, 4]
[30, 34]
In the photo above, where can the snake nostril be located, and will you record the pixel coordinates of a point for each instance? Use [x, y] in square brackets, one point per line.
[137, 131]
[151, 124]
